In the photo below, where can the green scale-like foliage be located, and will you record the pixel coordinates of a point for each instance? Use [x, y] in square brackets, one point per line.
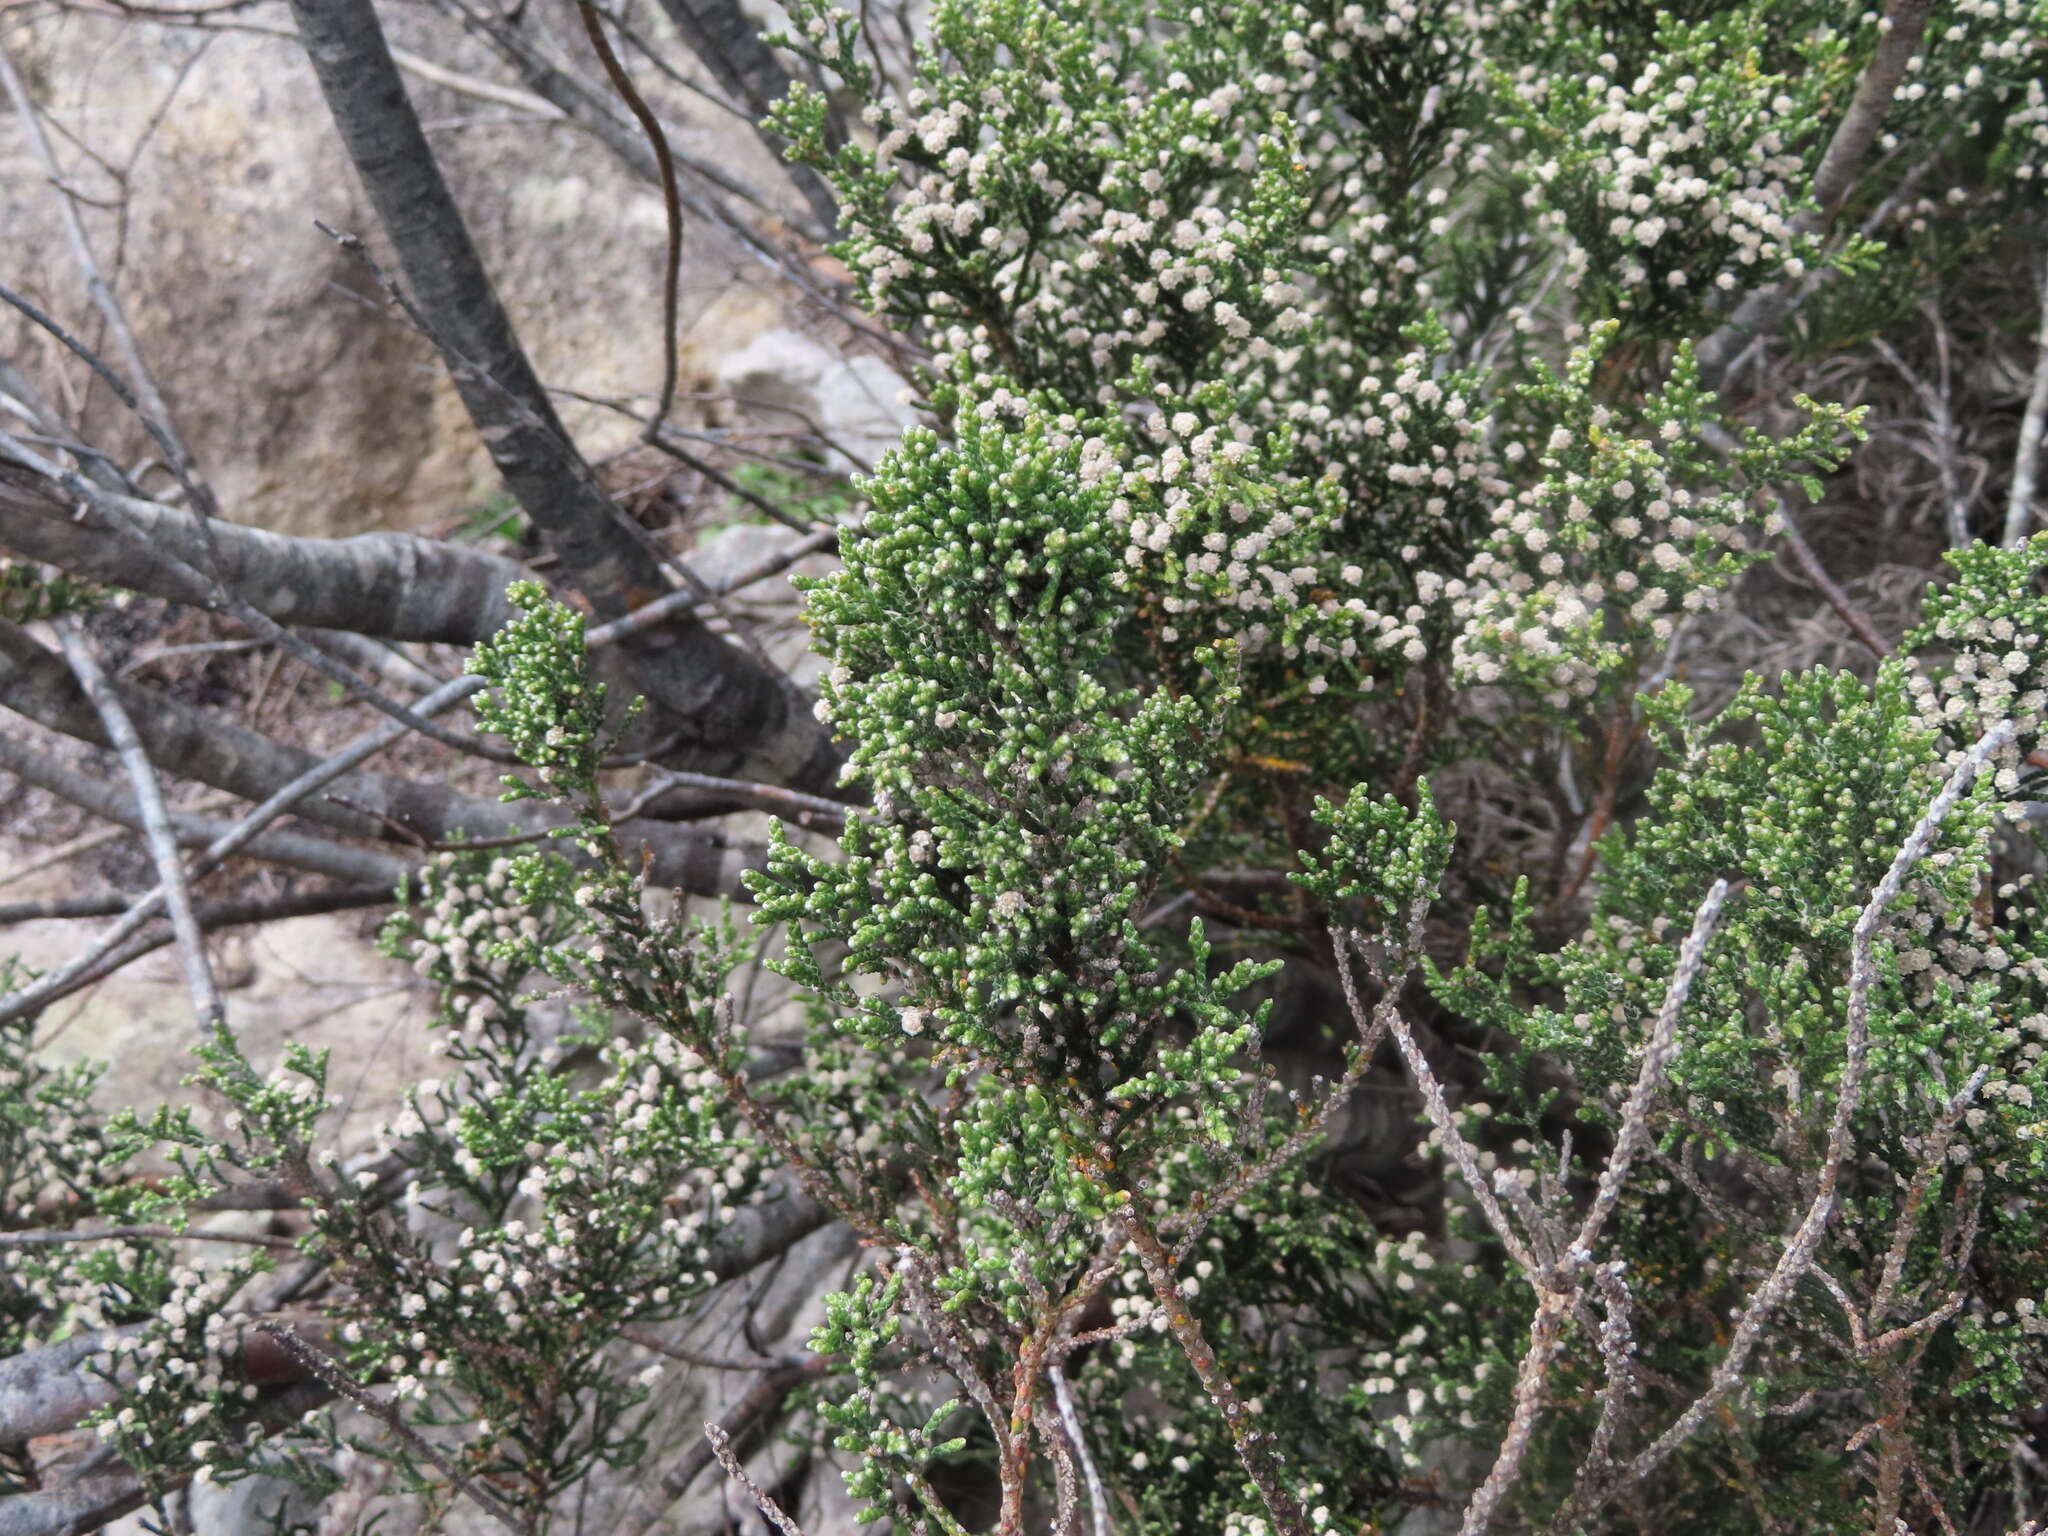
[1023, 801]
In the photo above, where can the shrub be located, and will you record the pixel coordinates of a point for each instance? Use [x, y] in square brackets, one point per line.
[1322, 400]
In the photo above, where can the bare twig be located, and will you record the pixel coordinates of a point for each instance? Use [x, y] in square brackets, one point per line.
[330, 1371]
[1723, 442]
[1634, 1137]
[753, 1408]
[951, 1345]
[1560, 1286]
[153, 407]
[295, 850]
[1617, 1357]
[671, 276]
[1070, 1421]
[1829, 589]
[236, 914]
[665, 440]
[1940, 428]
[648, 1340]
[78, 848]
[1254, 1445]
[2026, 462]
[652, 614]
[21, 398]
[1620, 734]
[1445, 1123]
[163, 844]
[1545, 1331]
[721, 1447]
[1933, 1164]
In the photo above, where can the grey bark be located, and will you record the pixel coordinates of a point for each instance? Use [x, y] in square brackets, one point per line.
[225, 914]
[758, 1233]
[728, 706]
[293, 850]
[35, 683]
[395, 585]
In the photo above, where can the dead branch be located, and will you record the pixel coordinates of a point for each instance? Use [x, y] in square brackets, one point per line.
[2026, 461]
[151, 1230]
[732, 709]
[289, 796]
[156, 827]
[218, 598]
[394, 585]
[294, 850]
[256, 767]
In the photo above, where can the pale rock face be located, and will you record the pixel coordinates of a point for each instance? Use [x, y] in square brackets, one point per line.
[311, 407]
[315, 980]
[783, 377]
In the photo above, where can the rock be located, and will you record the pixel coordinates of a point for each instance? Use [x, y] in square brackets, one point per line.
[784, 379]
[309, 404]
[250, 1505]
[316, 980]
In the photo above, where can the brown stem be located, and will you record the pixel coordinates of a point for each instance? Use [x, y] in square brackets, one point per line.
[330, 1371]
[1828, 587]
[1618, 737]
[1254, 1445]
[671, 197]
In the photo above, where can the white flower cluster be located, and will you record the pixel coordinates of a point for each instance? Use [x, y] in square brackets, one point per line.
[1603, 556]
[1055, 200]
[1984, 686]
[585, 1198]
[180, 1368]
[2026, 132]
[1985, 66]
[463, 914]
[1690, 172]
[1988, 631]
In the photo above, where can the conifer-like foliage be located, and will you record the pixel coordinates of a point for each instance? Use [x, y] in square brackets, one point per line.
[1320, 401]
